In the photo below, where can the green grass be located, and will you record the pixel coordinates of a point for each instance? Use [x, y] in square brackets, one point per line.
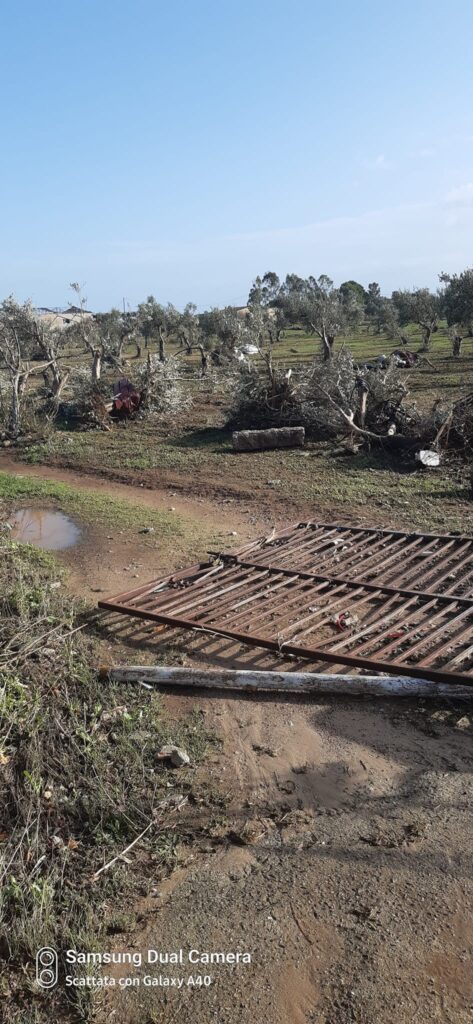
[296, 346]
[322, 479]
[177, 536]
[142, 446]
[444, 377]
[89, 505]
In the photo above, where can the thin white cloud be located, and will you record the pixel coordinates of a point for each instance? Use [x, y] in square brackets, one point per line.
[378, 163]
[426, 152]
[398, 246]
[460, 196]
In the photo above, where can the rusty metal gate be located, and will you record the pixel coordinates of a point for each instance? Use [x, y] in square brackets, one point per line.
[378, 599]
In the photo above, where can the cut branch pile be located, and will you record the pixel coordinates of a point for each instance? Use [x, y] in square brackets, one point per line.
[330, 399]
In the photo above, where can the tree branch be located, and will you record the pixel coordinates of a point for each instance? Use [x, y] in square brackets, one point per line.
[349, 417]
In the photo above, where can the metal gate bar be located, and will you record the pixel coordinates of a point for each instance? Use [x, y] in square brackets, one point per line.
[425, 561]
[254, 596]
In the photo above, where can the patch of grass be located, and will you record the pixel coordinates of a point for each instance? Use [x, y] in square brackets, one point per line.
[332, 484]
[181, 536]
[376, 486]
[79, 780]
[90, 505]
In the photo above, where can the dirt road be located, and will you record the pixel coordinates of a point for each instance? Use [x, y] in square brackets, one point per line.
[343, 866]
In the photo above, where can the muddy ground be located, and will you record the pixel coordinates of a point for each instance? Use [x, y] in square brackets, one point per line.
[341, 858]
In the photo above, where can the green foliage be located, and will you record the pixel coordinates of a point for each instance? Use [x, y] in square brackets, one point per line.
[265, 290]
[457, 299]
[421, 307]
[353, 289]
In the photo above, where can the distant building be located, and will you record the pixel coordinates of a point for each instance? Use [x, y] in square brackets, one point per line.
[62, 318]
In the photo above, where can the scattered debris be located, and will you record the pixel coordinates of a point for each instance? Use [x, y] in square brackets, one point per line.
[126, 401]
[428, 458]
[122, 855]
[344, 620]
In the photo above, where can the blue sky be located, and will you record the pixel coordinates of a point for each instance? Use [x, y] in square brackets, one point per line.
[181, 148]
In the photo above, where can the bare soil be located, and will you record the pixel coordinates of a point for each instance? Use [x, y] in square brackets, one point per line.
[343, 866]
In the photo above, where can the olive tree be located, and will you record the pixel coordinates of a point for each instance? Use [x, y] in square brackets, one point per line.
[457, 300]
[421, 307]
[321, 308]
[157, 323]
[22, 337]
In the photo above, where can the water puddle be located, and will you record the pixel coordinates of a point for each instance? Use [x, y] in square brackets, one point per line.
[43, 528]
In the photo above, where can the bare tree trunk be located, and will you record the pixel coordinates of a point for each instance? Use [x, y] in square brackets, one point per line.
[286, 682]
[162, 344]
[273, 437]
[97, 365]
[15, 416]
[427, 330]
[19, 381]
[203, 360]
[363, 396]
[457, 346]
[327, 345]
[59, 384]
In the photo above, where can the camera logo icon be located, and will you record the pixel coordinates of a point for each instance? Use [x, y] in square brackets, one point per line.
[46, 967]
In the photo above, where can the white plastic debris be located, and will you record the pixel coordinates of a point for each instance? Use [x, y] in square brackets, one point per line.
[428, 458]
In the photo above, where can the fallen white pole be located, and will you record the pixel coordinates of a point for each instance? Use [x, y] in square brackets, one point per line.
[287, 682]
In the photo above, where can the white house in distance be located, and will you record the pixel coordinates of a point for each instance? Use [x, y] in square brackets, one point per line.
[62, 318]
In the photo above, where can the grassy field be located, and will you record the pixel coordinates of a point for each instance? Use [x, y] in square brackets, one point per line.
[297, 347]
[91, 506]
[194, 455]
[323, 477]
